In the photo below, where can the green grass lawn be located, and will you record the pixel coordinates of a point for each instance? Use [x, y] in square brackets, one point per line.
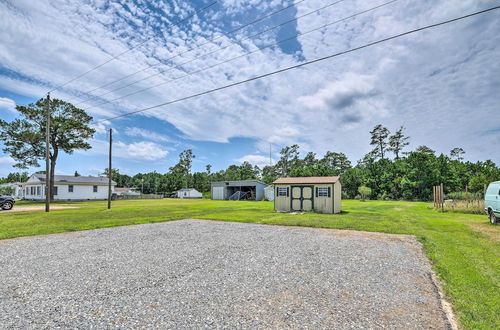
[464, 248]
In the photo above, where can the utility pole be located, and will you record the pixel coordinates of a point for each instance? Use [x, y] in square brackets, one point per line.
[110, 167]
[47, 155]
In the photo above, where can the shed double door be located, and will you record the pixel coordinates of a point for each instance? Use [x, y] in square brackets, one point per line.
[302, 198]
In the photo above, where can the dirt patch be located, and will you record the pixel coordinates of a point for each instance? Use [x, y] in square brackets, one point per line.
[492, 231]
[38, 208]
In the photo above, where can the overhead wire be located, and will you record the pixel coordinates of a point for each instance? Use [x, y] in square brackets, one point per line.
[130, 49]
[242, 55]
[299, 65]
[226, 34]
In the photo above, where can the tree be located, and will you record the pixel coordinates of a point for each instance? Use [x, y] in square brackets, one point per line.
[457, 153]
[289, 159]
[364, 192]
[379, 139]
[24, 138]
[425, 150]
[309, 159]
[122, 180]
[183, 168]
[336, 161]
[398, 141]
[15, 177]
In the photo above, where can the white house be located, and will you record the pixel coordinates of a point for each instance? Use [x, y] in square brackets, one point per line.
[69, 187]
[188, 193]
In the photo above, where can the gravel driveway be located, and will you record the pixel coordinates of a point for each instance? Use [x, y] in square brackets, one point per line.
[195, 273]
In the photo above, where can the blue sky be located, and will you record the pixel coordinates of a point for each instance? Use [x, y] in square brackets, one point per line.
[443, 85]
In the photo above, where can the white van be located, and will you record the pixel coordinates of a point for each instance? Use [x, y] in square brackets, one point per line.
[492, 202]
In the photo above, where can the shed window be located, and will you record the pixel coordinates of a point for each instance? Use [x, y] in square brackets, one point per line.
[95, 188]
[283, 191]
[323, 192]
[70, 188]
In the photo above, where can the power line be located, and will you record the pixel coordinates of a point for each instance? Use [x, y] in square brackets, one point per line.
[130, 49]
[242, 55]
[215, 51]
[194, 48]
[304, 63]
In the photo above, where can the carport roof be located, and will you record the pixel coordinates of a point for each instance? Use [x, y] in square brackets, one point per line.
[307, 179]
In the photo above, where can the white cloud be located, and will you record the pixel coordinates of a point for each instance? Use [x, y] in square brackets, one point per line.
[140, 151]
[6, 160]
[147, 134]
[8, 104]
[137, 151]
[258, 160]
[429, 82]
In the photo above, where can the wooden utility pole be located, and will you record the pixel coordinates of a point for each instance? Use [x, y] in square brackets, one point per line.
[47, 155]
[110, 171]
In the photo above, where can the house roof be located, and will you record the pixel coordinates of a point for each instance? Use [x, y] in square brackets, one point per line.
[75, 179]
[307, 179]
[187, 189]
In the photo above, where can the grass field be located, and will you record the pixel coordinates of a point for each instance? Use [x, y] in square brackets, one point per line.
[463, 247]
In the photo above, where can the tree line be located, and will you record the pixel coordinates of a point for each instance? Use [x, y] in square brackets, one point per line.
[388, 171]
[408, 174]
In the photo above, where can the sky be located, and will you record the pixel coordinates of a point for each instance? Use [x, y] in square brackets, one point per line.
[442, 85]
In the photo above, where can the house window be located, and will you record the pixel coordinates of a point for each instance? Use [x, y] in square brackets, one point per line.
[70, 188]
[323, 192]
[283, 191]
[32, 190]
[54, 189]
[95, 188]
[38, 191]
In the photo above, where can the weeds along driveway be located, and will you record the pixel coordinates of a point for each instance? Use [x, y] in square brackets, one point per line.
[195, 273]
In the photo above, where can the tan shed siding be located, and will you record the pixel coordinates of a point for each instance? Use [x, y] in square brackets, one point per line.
[282, 203]
[323, 204]
[337, 197]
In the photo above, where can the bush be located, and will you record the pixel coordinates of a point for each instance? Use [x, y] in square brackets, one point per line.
[464, 196]
[9, 191]
[364, 192]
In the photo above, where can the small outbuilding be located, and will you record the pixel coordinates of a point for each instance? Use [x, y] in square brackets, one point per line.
[269, 193]
[188, 193]
[252, 190]
[303, 194]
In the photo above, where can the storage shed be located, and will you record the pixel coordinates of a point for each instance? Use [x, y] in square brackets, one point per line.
[320, 194]
[188, 193]
[238, 190]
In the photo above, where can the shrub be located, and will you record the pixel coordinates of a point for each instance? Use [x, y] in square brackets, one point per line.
[364, 192]
[9, 191]
[463, 196]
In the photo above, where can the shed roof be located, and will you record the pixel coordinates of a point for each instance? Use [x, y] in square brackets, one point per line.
[242, 183]
[307, 179]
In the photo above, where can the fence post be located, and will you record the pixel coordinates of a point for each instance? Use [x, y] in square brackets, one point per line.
[442, 197]
[434, 195]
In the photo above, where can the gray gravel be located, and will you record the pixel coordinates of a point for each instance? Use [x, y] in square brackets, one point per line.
[207, 274]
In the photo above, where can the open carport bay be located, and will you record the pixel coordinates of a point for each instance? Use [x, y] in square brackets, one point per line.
[195, 273]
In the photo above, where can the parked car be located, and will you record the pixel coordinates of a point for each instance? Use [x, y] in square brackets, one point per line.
[492, 202]
[7, 202]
